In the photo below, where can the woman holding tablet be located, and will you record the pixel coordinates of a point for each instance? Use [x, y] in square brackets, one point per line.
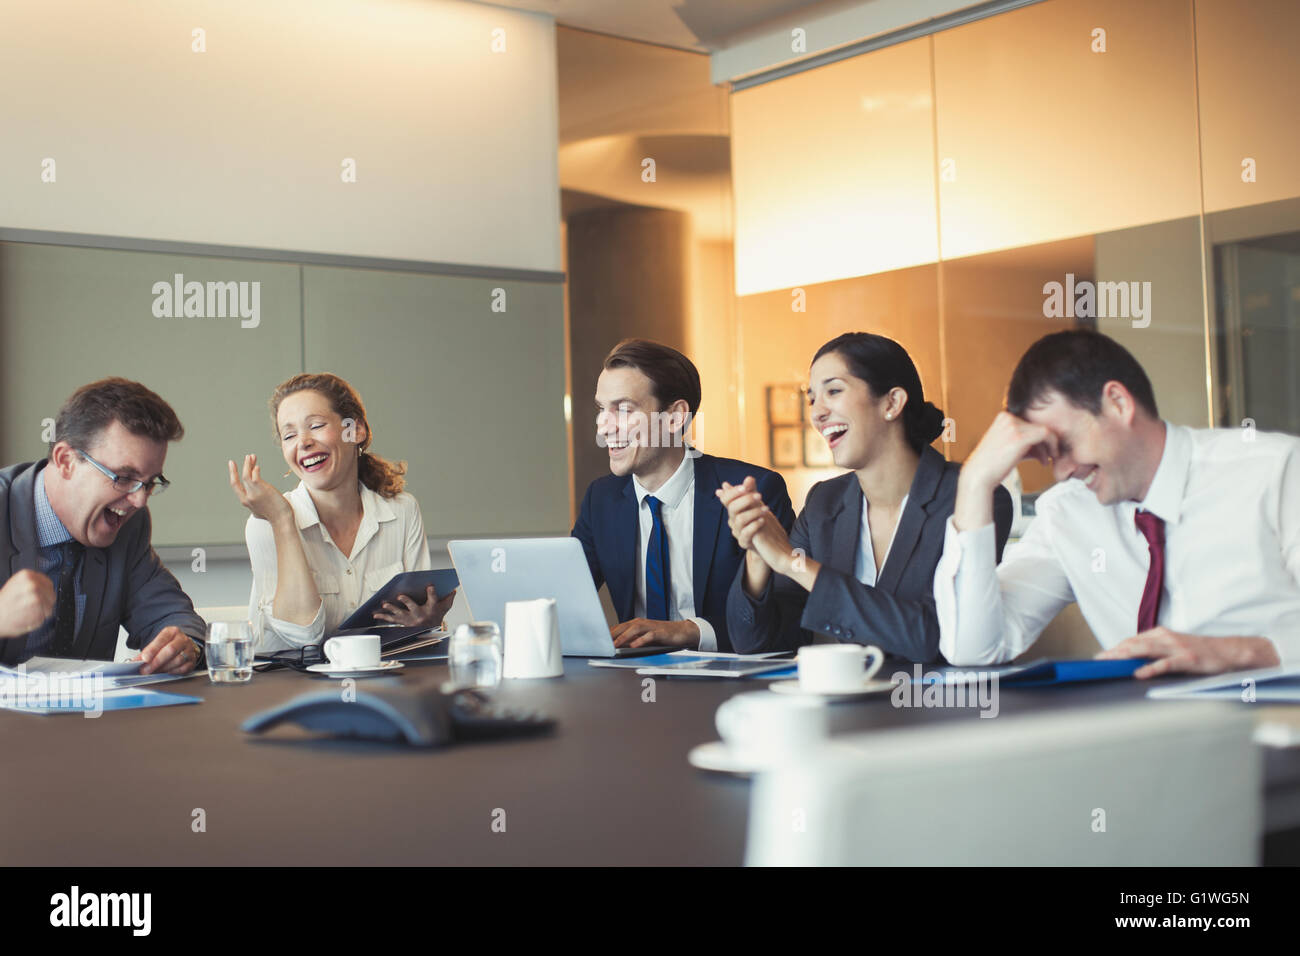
[321, 550]
[858, 565]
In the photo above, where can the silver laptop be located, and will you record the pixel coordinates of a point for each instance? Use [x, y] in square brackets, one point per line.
[496, 570]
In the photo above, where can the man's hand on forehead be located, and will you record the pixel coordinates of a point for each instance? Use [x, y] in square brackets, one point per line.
[1045, 451]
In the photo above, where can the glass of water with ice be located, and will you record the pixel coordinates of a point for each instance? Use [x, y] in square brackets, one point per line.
[230, 652]
[475, 655]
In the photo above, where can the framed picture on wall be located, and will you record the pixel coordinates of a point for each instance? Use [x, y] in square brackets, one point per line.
[785, 446]
[784, 405]
[816, 453]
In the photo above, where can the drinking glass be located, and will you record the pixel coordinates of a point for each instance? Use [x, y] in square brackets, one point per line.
[230, 652]
[475, 655]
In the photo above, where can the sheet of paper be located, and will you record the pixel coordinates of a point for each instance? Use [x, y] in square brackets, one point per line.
[1278, 684]
[104, 674]
[59, 665]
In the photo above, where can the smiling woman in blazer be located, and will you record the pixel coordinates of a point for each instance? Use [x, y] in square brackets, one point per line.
[858, 565]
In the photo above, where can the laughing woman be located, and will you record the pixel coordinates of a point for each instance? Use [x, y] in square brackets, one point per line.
[858, 565]
[321, 550]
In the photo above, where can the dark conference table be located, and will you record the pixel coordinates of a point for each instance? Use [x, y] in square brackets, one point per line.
[610, 785]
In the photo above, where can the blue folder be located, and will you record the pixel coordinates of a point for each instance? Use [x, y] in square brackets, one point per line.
[1044, 672]
[132, 700]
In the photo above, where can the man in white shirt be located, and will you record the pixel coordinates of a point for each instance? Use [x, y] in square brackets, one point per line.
[1179, 545]
[653, 529]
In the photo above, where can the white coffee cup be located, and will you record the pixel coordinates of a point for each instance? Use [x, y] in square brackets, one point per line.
[837, 668]
[761, 728]
[532, 640]
[353, 650]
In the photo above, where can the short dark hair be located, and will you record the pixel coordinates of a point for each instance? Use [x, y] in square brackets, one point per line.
[94, 407]
[1077, 363]
[885, 365]
[672, 375]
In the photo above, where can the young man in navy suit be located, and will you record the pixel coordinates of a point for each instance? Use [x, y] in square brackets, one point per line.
[654, 531]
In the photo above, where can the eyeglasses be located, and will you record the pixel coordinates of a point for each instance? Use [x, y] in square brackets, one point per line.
[299, 658]
[130, 486]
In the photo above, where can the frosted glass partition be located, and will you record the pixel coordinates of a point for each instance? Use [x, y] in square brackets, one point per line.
[1048, 137]
[70, 316]
[462, 377]
[1249, 85]
[833, 172]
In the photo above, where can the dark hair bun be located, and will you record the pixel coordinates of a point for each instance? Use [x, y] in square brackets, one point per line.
[925, 425]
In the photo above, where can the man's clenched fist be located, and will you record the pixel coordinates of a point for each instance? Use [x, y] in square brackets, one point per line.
[26, 601]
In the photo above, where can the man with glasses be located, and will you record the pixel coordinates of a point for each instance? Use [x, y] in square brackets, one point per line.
[75, 554]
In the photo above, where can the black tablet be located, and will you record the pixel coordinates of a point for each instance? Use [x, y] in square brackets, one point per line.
[410, 583]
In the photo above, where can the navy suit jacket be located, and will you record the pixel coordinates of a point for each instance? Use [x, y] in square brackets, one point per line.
[897, 614]
[610, 534]
[124, 583]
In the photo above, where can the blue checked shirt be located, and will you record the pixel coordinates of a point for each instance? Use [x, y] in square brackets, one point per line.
[50, 536]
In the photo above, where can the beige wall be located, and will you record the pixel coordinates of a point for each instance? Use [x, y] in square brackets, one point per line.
[243, 145]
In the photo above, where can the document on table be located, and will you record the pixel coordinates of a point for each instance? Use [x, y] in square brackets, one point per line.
[107, 674]
[713, 667]
[677, 657]
[1266, 685]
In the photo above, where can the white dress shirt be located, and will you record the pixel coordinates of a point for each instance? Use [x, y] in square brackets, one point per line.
[1230, 501]
[677, 495]
[389, 540]
[864, 566]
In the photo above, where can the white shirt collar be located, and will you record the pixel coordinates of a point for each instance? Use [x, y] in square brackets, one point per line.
[373, 507]
[672, 491]
[1164, 497]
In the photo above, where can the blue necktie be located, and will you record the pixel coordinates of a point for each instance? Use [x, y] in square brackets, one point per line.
[65, 603]
[656, 565]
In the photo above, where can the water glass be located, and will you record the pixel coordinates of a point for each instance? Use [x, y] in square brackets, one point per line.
[475, 655]
[230, 652]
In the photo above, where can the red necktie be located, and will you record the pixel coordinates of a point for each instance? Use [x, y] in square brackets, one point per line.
[1153, 529]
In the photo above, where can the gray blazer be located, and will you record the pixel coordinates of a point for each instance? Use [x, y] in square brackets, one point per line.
[125, 584]
[897, 614]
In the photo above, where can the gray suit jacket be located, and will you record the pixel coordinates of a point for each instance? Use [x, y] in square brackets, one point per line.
[125, 584]
[897, 614]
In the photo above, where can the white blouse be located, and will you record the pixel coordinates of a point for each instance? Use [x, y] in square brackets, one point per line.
[390, 540]
[864, 566]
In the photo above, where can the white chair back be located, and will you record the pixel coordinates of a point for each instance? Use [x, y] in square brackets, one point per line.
[1152, 784]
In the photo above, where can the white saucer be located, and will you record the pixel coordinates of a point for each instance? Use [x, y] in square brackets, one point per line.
[344, 670]
[868, 687]
[717, 756]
